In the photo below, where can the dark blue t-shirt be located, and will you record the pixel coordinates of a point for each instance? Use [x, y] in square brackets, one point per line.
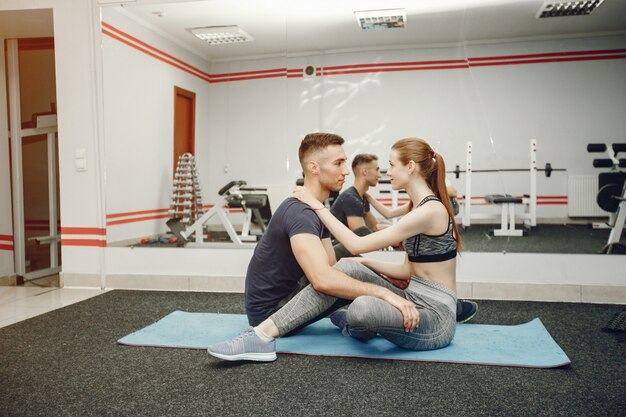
[350, 203]
[273, 272]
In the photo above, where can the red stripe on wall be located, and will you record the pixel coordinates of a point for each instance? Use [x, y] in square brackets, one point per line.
[202, 77]
[395, 69]
[126, 35]
[551, 203]
[544, 61]
[549, 54]
[135, 213]
[257, 77]
[138, 219]
[6, 247]
[397, 64]
[84, 242]
[238, 74]
[83, 231]
[551, 57]
[6, 237]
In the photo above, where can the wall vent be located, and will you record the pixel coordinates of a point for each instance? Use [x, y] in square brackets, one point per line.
[568, 8]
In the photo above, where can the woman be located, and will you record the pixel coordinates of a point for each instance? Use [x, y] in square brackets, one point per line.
[431, 241]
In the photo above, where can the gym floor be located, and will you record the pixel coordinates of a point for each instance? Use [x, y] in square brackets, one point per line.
[67, 363]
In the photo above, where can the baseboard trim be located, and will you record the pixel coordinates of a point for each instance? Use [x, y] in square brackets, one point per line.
[11, 280]
[596, 294]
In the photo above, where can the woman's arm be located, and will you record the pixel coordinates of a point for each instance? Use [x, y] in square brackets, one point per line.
[416, 221]
[385, 211]
[392, 270]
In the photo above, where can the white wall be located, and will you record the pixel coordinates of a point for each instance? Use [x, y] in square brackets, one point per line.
[251, 129]
[82, 213]
[139, 126]
[255, 126]
[563, 105]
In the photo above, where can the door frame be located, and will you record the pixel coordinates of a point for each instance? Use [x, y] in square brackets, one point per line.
[17, 176]
[178, 91]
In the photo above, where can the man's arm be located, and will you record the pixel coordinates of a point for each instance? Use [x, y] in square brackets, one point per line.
[330, 251]
[356, 222]
[313, 259]
[370, 221]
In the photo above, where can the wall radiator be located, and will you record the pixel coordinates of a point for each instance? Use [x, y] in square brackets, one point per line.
[581, 196]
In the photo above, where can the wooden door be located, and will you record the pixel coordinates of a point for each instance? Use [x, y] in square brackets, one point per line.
[184, 122]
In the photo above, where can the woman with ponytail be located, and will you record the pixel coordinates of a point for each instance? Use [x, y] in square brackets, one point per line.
[431, 241]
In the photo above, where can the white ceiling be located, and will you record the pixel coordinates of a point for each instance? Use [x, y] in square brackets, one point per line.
[294, 27]
[299, 26]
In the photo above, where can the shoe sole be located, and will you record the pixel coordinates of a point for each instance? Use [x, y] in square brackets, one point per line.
[257, 357]
[470, 317]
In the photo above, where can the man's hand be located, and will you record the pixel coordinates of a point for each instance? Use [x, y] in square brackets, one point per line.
[407, 308]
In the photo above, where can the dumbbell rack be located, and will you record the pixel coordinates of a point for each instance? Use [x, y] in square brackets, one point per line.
[186, 196]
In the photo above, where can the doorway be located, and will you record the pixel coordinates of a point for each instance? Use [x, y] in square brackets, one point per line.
[184, 123]
[31, 113]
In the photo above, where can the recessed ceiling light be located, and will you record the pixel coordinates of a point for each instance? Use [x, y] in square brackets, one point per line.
[380, 19]
[219, 35]
[567, 8]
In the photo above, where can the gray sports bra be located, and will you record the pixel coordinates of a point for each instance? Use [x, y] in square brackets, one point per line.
[427, 248]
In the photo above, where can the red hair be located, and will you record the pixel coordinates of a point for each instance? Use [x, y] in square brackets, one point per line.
[433, 169]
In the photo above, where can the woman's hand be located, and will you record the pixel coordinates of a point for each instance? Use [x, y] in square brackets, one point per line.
[408, 309]
[306, 197]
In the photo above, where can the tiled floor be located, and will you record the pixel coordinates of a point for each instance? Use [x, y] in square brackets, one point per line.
[23, 302]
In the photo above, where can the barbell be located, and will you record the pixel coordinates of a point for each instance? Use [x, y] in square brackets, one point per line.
[547, 170]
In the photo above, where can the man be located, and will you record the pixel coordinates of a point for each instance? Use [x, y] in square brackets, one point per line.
[353, 209]
[296, 251]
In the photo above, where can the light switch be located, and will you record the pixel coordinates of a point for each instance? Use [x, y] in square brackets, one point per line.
[81, 164]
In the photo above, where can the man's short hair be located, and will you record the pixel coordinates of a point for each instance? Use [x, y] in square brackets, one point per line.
[314, 142]
[363, 158]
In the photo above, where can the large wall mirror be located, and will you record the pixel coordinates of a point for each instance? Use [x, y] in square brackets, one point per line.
[509, 98]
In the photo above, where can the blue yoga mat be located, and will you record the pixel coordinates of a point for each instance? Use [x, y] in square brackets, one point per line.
[523, 345]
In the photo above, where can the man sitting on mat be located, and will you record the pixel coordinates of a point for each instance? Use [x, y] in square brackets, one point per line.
[352, 208]
[295, 253]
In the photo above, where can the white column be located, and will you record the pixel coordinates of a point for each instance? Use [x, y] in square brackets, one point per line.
[15, 125]
[467, 200]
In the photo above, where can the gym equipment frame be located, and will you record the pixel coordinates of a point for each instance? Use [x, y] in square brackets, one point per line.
[612, 192]
[256, 207]
[506, 202]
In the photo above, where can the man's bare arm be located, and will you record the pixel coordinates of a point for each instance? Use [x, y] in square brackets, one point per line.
[355, 222]
[313, 259]
[330, 251]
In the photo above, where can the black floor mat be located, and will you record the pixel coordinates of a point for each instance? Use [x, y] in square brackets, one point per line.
[617, 323]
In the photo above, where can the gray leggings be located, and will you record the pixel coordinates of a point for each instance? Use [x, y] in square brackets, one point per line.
[368, 316]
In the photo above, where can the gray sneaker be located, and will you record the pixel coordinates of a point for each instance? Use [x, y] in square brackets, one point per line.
[245, 347]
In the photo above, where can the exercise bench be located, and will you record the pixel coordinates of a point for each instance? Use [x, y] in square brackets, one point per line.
[507, 203]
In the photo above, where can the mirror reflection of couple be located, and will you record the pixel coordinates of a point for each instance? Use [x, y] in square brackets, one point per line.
[294, 278]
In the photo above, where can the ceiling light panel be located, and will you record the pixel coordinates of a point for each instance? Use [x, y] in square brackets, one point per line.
[381, 19]
[221, 35]
[568, 8]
